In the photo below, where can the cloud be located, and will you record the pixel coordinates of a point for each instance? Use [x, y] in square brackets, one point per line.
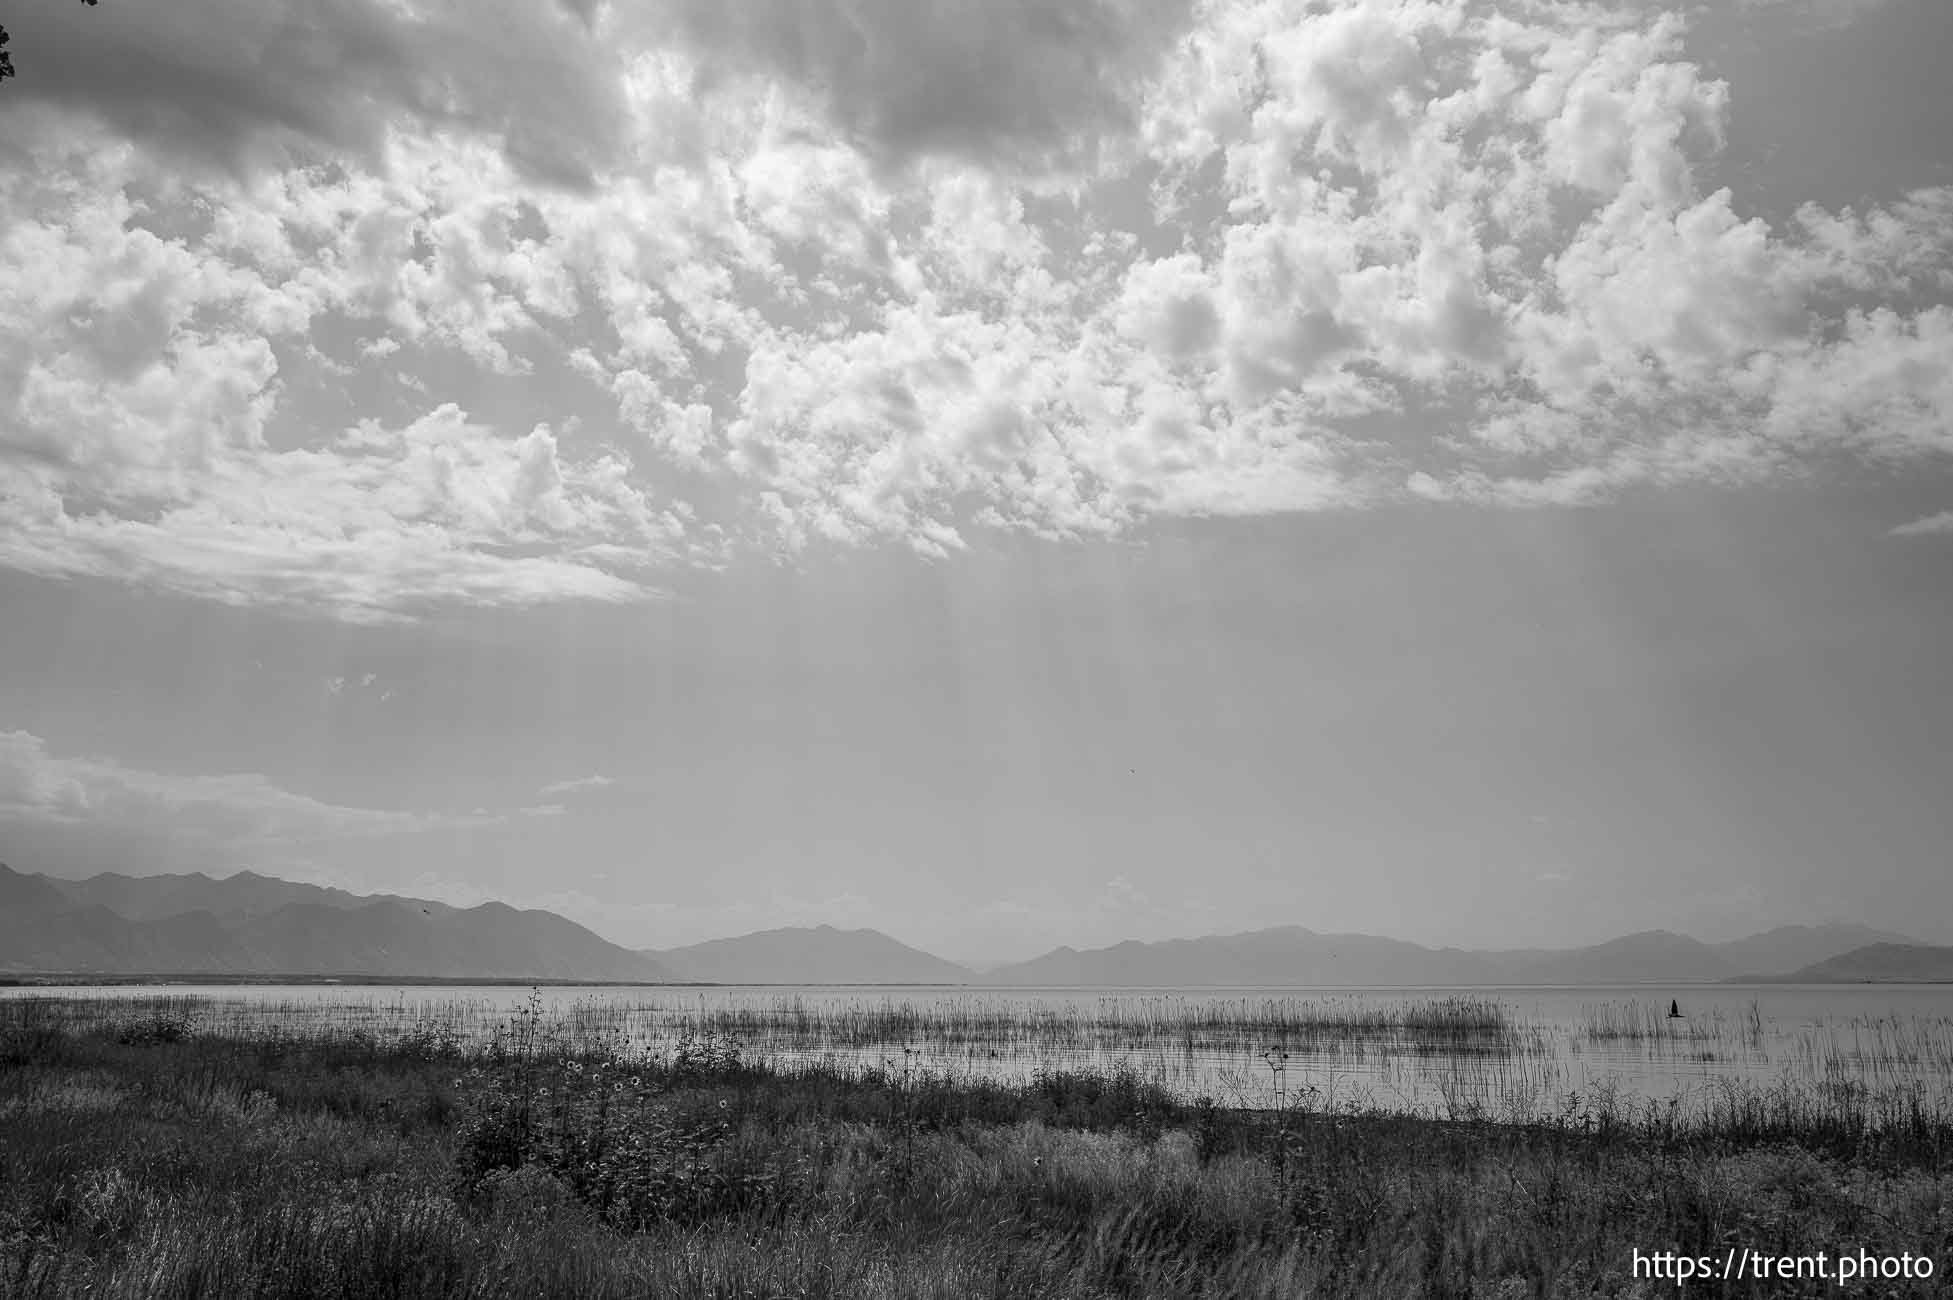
[142, 427]
[247, 808]
[1011, 83]
[1931, 525]
[592, 782]
[244, 85]
[864, 278]
[379, 525]
[1494, 228]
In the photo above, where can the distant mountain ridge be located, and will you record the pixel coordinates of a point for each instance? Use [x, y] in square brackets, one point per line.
[253, 925]
[1283, 955]
[256, 925]
[810, 955]
[150, 898]
[1295, 956]
[1880, 963]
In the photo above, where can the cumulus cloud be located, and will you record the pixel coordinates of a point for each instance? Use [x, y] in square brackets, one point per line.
[244, 85]
[880, 272]
[141, 375]
[378, 525]
[1011, 83]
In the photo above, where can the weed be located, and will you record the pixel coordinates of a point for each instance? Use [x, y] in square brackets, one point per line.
[367, 1152]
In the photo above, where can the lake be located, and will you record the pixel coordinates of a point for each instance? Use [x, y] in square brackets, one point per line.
[1505, 1052]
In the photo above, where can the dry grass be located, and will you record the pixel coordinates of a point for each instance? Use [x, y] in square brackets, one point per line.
[185, 1159]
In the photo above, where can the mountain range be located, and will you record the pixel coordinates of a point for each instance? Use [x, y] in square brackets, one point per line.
[1292, 955]
[254, 925]
[816, 955]
[1881, 963]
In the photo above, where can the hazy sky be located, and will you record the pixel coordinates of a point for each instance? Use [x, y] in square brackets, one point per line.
[1040, 471]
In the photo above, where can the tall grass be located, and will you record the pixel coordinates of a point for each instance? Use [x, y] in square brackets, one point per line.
[160, 1152]
[1434, 1056]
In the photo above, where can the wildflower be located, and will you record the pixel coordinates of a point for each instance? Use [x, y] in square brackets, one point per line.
[722, 1103]
[634, 1081]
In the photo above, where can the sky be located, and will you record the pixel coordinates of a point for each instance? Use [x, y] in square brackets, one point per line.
[1030, 473]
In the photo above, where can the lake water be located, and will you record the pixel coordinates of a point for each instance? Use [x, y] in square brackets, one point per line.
[1511, 1052]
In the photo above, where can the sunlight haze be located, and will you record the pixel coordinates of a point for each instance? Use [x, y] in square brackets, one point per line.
[1477, 472]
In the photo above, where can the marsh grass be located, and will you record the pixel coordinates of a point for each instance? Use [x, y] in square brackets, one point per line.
[351, 1155]
[1436, 1056]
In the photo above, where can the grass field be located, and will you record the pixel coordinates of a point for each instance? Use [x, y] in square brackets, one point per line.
[151, 1151]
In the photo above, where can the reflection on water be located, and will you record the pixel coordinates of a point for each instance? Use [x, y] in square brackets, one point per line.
[1506, 1052]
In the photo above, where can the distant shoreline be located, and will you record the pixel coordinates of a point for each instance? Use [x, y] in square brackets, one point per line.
[35, 979]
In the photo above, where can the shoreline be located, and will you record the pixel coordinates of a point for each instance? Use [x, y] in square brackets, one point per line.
[218, 979]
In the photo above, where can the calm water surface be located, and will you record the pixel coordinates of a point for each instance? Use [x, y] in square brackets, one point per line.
[1344, 1046]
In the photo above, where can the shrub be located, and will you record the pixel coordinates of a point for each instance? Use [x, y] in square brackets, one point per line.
[152, 1031]
[608, 1131]
[702, 1055]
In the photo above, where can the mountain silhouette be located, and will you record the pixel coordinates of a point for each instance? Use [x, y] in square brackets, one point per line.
[1292, 956]
[1879, 963]
[251, 924]
[810, 955]
[257, 925]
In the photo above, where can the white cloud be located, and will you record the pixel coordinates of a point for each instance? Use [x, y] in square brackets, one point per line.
[1012, 82]
[1168, 305]
[136, 424]
[1499, 227]
[1941, 523]
[868, 281]
[375, 526]
[592, 782]
[245, 808]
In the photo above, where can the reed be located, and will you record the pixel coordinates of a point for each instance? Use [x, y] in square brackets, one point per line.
[1440, 1057]
[365, 1153]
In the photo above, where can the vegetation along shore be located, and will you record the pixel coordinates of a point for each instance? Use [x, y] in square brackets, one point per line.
[150, 1150]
